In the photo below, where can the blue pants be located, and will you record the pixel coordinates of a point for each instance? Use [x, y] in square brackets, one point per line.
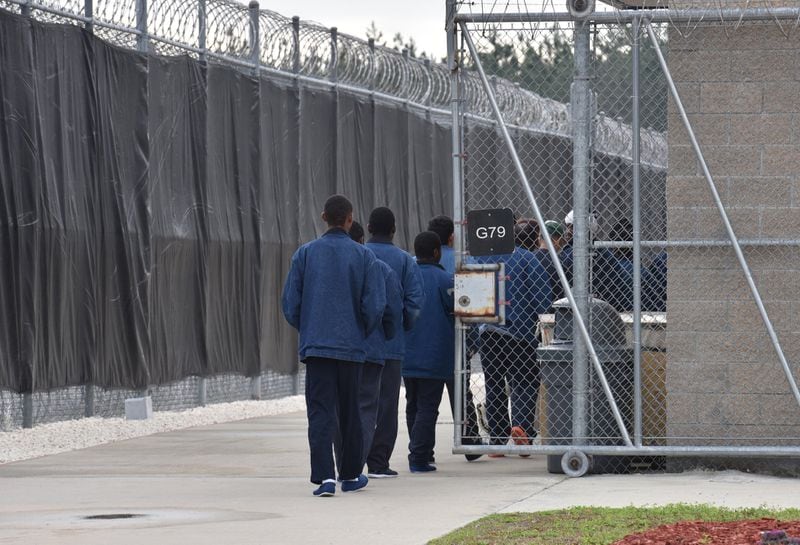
[332, 407]
[367, 407]
[386, 424]
[423, 396]
[507, 360]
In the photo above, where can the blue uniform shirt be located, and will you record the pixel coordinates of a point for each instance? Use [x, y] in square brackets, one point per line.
[407, 273]
[334, 296]
[528, 293]
[448, 260]
[430, 345]
[392, 322]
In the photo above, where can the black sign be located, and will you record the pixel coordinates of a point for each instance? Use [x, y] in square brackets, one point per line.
[490, 232]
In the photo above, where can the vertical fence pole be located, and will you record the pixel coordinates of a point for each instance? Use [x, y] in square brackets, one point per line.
[255, 37]
[334, 70]
[25, 9]
[88, 12]
[202, 15]
[88, 400]
[255, 58]
[296, 44]
[637, 238]
[372, 67]
[141, 25]
[27, 410]
[580, 101]
[458, 210]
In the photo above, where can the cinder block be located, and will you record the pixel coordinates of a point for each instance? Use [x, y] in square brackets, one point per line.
[139, 408]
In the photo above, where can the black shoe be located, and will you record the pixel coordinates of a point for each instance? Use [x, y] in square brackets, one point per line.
[421, 468]
[387, 473]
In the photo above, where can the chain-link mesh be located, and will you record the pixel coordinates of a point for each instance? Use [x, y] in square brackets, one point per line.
[79, 401]
[710, 375]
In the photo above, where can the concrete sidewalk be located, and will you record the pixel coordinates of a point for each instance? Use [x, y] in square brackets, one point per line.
[247, 483]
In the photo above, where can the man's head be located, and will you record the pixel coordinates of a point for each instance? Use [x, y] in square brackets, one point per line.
[443, 226]
[338, 212]
[381, 222]
[556, 232]
[357, 232]
[526, 234]
[428, 247]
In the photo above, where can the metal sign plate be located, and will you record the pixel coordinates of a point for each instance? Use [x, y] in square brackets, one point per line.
[490, 232]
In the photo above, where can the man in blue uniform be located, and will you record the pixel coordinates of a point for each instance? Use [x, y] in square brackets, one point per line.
[382, 228]
[334, 296]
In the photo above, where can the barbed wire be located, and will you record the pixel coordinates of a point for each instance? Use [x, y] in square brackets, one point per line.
[223, 29]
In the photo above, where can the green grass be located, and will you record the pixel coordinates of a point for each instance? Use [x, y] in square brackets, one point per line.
[592, 525]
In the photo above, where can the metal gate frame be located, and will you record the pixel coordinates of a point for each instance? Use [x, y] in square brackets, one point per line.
[578, 295]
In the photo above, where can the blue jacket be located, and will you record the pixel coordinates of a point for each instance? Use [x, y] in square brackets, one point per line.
[334, 296]
[430, 345]
[407, 273]
[392, 317]
[528, 293]
[448, 260]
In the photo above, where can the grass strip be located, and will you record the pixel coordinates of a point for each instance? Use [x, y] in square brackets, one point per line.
[593, 525]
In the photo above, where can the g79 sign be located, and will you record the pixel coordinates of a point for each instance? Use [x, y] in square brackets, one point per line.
[490, 232]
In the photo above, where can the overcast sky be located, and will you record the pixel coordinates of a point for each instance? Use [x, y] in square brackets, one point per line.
[421, 19]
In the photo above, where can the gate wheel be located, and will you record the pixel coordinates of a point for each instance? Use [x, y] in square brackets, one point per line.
[575, 463]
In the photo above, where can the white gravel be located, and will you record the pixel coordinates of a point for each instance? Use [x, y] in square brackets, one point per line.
[46, 439]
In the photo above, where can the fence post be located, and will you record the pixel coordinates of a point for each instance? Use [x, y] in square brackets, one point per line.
[429, 93]
[403, 77]
[141, 26]
[27, 410]
[201, 31]
[25, 9]
[202, 392]
[296, 44]
[88, 400]
[334, 75]
[637, 239]
[580, 103]
[255, 37]
[88, 12]
[372, 70]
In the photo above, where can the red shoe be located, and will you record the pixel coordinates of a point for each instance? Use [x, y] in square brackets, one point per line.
[520, 438]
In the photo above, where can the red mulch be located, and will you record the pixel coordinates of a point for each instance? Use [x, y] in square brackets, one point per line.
[743, 532]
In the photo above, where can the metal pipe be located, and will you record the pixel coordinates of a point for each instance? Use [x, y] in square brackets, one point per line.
[334, 75]
[724, 216]
[580, 93]
[461, 365]
[696, 243]
[27, 410]
[611, 450]
[255, 388]
[637, 238]
[296, 44]
[141, 26]
[653, 15]
[88, 400]
[88, 11]
[202, 25]
[202, 392]
[550, 248]
[255, 37]
[372, 70]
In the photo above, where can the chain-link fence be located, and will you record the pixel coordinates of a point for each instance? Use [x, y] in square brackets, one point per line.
[689, 295]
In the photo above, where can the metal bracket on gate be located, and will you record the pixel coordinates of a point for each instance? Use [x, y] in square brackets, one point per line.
[480, 293]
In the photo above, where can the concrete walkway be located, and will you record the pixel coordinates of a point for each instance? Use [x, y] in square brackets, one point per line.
[247, 483]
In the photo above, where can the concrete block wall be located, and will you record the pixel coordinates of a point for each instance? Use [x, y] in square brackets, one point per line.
[741, 88]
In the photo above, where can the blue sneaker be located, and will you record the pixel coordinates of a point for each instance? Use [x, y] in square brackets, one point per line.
[325, 490]
[357, 484]
[421, 468]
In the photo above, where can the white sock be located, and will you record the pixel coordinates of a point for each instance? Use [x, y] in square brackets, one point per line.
[329, 481]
